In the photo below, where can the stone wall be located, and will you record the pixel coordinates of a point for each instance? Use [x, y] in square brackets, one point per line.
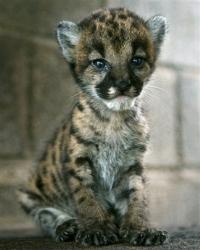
[36, 86]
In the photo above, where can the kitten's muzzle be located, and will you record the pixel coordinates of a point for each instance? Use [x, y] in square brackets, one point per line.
[122, 85]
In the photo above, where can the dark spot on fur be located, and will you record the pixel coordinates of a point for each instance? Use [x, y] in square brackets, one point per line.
[110, 33]
[139, 43]
[75, 132]
[72, 173]
[102, 18]
[114, 211]
[122, 33]
[98, 46]
[97, 133]
[64, 126]
[122, 16]
[93, 28]
[53, 156]
[117, 42]
[138, 146]
[136, 82]
[64, 157]
[55, 183]
[41, 187]
[90, 186]
[76, 190]
[115, 26]
[96, 15]
[125, 194]
[142, 147]
[80, 106]
[81, 200]
[81, 160]
[39, 183]
[109, 22]
[137, 168]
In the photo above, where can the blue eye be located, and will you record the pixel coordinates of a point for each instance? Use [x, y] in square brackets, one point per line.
[100, 64]
[137, 61]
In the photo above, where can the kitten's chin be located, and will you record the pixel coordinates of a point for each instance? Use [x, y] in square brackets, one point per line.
[120, 103]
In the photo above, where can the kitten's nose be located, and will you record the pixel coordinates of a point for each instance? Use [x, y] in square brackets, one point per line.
[123, 85]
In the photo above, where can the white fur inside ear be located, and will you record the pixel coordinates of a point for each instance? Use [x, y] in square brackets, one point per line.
[68, 34]
[158, 27]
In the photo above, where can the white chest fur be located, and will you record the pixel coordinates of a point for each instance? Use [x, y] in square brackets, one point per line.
[118, 149]
[114, 155]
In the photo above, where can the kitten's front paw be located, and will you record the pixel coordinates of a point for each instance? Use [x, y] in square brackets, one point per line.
[97, 234]
[147, 237]
[67, 231]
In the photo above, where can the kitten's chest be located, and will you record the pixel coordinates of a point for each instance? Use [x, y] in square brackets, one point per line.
[115, 154]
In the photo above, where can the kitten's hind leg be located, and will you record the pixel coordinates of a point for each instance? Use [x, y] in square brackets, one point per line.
[56, 223]
[49, 218]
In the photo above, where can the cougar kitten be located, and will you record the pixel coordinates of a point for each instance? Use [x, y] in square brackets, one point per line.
[89, 185]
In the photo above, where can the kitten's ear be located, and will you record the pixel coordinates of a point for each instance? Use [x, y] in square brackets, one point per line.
[68, 35]
[158, 27]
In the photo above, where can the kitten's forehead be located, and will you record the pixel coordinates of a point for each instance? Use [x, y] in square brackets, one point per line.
[112, 17]
[115, 31]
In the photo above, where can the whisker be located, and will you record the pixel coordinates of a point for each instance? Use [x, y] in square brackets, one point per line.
[150, 93]
[157, 88]
[78, 93]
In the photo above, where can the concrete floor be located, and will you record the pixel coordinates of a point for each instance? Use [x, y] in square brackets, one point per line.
[182, 238]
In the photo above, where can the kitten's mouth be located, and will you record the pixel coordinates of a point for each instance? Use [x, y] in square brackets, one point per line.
[116, 94]
[120, 102]
[117, 100]
[123, 96]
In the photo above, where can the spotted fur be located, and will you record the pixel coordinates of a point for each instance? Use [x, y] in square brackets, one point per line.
[89, 185]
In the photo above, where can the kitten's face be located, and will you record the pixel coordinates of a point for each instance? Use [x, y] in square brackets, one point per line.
[113, 57]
